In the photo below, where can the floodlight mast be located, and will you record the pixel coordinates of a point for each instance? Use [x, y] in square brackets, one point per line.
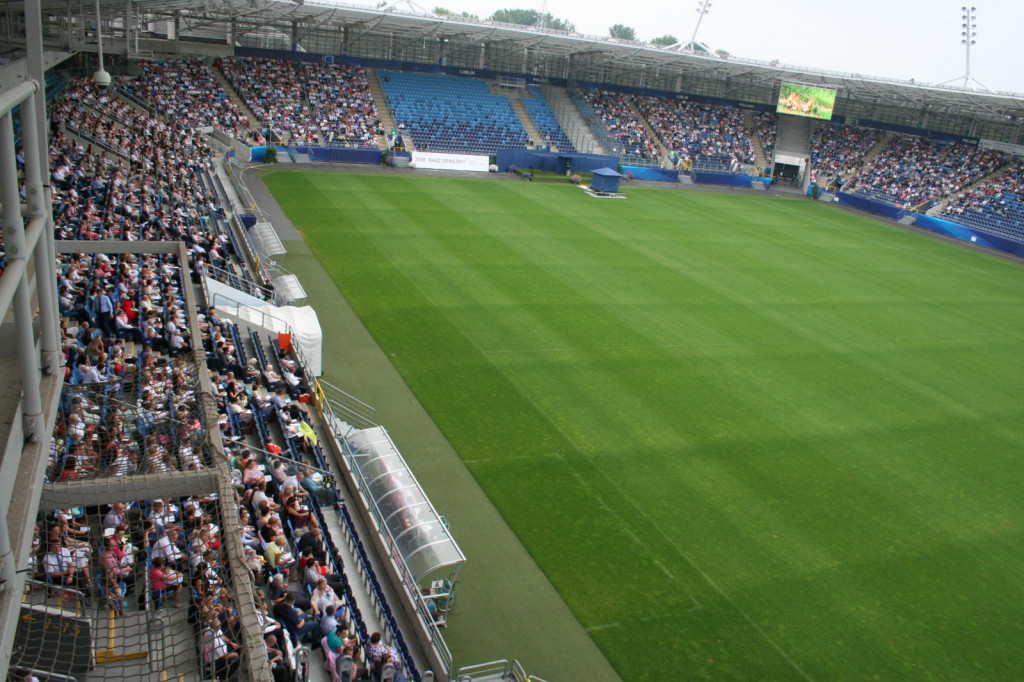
[704, 8]
[967, 38]
[968, 34]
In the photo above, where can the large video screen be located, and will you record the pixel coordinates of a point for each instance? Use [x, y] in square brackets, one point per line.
[806, 100]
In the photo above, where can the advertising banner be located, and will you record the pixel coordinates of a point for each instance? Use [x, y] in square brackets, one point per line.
[438, 161]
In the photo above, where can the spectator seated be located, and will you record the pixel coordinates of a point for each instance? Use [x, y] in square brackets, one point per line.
[913, 170]
[316, 104]
[838, 150]
[711, 135]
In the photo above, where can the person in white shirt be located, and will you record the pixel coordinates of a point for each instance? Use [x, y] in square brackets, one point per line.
[58, 564]
[167, 548]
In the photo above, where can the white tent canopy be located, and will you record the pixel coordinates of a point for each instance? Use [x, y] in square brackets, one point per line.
[300, 321]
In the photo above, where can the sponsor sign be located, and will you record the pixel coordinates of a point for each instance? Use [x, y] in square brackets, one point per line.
[1002, 146]
[437, 161]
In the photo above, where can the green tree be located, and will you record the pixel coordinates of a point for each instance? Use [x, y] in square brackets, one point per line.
[560, 24]
[531, 17]
[445, 12]
[524, 17]
[665, 40]
[622, 32]
[724, 54]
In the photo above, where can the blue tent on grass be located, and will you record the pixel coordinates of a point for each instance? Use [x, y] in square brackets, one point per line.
[605, 180]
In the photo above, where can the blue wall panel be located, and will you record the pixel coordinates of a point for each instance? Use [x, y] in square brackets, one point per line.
[967, 234]
[727, 179]
[658, 174]
[871, 205]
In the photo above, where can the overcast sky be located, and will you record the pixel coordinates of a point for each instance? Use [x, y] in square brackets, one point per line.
[904, 39]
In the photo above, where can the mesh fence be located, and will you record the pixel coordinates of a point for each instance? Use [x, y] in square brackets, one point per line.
[107, 600]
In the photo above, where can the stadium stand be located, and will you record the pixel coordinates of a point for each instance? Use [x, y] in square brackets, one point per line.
[765, 127]
[187, 90]
[996, 205]
[620, 124]
[708, 134]
[133, 406]
[451, 114]
[325, 104]
[839, 150]
[913, 170]
[540, 113]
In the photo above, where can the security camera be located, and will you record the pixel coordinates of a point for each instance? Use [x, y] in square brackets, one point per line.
[101, 78]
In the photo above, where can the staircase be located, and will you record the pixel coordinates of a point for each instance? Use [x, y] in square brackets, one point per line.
[760, 158]
[941, 206]
[866, 161]
[569, 117]
[793, 136]
[524, 118]
[387, 121]
[662, 149]
[235, 97]
[877, 149]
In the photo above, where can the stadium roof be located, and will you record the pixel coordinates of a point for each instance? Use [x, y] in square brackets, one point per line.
[406, 20]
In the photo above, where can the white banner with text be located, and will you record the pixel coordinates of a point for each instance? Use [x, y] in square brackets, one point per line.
[462, 162]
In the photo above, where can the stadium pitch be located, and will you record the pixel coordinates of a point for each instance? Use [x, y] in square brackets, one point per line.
[745, 437]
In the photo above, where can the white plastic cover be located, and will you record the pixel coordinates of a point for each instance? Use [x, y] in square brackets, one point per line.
[302, 320]
[417, 535]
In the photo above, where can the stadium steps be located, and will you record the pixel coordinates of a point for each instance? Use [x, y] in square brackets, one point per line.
[524, 118]
[851, 177]
[760, 158]
[662, 149]
[235, 97]
[571, 120]
[941, 206]
[877, 149]
[793, 136]
[387, 121]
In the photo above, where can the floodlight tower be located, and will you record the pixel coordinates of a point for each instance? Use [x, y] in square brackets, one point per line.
[967, 38]
[968, 34]
[702, 9]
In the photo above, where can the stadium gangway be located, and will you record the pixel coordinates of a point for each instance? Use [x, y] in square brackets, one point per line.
[265, 240]
[236, 281]
[137, 101]
[503, 670]
[344, 412]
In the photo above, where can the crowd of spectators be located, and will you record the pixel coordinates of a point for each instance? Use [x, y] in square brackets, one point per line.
[914, 170]
[315, 103]
[696, 131]
[839, 150]
[622, 123]
[140, 178]
[1000, 196]
[123, 338]
[186, 91]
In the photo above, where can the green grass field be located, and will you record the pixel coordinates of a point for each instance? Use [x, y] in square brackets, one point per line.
[745, 437]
